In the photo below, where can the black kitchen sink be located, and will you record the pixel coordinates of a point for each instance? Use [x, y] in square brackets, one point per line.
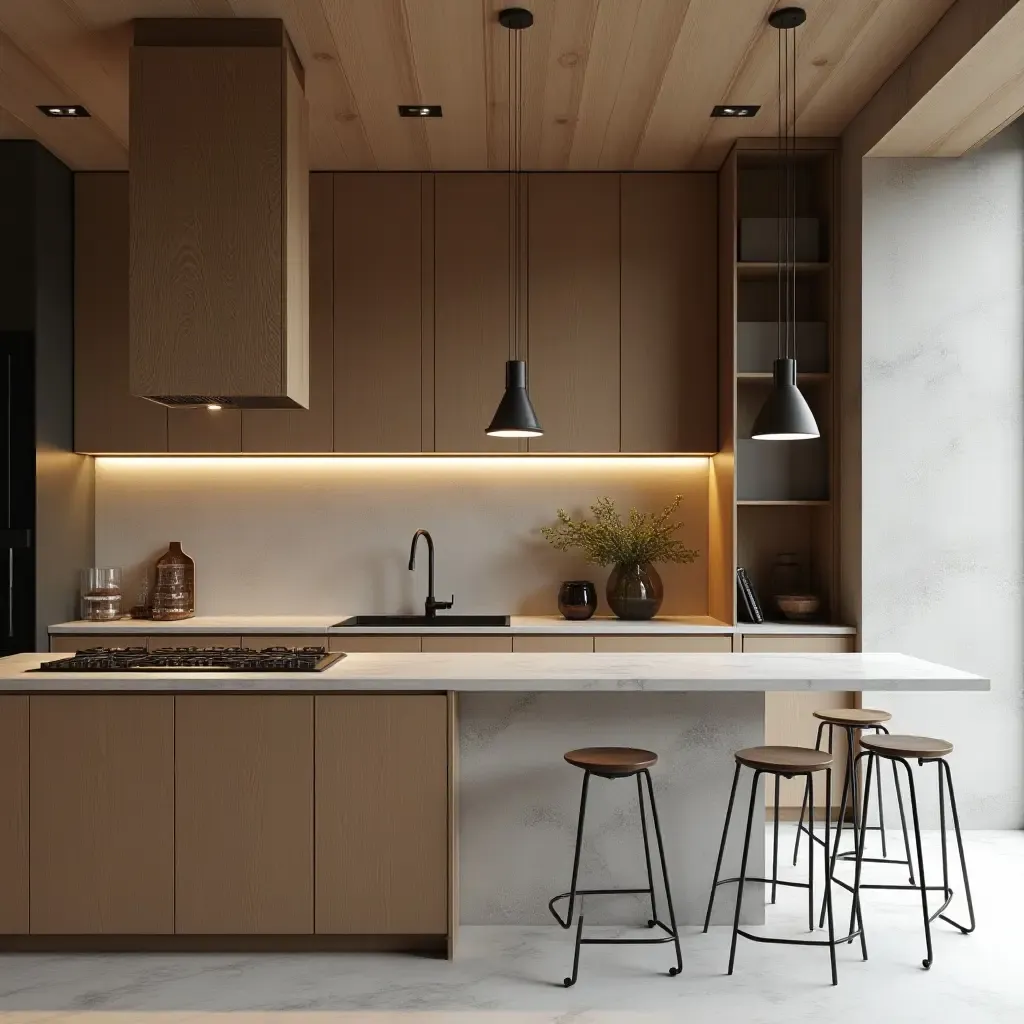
[430, 621]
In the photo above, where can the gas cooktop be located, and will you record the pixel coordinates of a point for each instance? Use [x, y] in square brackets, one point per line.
[216, 659]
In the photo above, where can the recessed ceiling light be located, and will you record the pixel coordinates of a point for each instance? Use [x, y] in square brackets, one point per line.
[735, 110]
[419, 110]
[63, 110]
[214, 408]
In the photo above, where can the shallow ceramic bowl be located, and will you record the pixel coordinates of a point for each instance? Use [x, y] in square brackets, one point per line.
[798, 606]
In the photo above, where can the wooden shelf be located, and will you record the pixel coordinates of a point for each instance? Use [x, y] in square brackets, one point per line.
[756, 269]
[787, 501]
[768, 376]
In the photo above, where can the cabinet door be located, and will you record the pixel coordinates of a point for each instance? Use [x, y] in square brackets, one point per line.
[382, 814]
[789, 717]
[377, 307]
[312, 429]
[403, 644]
[715, 644]
[553, 644]
[107, 417]
[467, 645]
[244, 814]
[102, 814]
[471, 309]
[198, 640]
[14, 813]
[202, 430]
[669, 313]
[71, 642]
[573, 352]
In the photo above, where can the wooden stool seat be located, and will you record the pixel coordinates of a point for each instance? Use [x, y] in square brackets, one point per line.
[858, 718]
[926, 748]
[611, 762]
[785, 760]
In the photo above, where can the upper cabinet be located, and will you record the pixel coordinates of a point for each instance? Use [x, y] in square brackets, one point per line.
[378, 289]
[471, 309]
[573, 280]
[409, 319]
[669, 313]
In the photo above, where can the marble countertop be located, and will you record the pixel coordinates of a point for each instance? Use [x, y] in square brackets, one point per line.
[321, 625]
[527, 672]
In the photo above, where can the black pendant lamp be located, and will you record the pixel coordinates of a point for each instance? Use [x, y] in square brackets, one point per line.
[785, 415]
[515, 416]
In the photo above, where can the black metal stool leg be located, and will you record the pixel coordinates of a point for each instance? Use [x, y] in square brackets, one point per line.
[828, 878]
[743, 870]
[881, 812]
[810, 859]
[859, 864]
[803, 806]
[903, 821]
[721, 848]
[664, 874]
[927, 962]
[653, 920]
[960, 848]
[570, 981]
[579, 844]
[775, 841]
[861, 838]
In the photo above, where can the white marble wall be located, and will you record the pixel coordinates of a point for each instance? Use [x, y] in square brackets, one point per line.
[519, 801]
[943, 452]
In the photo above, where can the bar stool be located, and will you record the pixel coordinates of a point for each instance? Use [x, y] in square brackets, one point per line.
[923, 749]
[856, 721]
[785, 762]
[618, 763]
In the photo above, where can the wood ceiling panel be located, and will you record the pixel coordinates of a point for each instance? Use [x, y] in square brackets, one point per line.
[608, 84]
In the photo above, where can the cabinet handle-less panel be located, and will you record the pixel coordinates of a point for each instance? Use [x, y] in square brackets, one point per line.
[102, 814]
[14, 813]
[669, 313]
[375, 644]
[467, 645]
[198, 640]
[71, 642]
[553, 644]
[382, 814]
[107, 417]
[244, 814]
[573, 355]
[789, 717]
[377, 328]
[663, 644]
[471, 309]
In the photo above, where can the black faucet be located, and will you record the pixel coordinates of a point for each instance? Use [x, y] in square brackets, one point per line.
[430, 606]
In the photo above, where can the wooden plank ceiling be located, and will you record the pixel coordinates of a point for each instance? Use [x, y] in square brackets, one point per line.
[608, 84]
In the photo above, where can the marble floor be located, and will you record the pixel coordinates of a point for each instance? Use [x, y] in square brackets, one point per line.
[510, 975]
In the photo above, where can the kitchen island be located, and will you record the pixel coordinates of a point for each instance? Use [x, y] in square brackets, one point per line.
[376, 804]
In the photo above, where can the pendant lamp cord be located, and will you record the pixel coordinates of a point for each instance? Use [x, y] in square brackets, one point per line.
[515, 164]
[786, 195]
[779, 208]
[793, 211]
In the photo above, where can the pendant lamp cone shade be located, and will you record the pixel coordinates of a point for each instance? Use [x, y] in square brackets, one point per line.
[785, 415]
[515, 416]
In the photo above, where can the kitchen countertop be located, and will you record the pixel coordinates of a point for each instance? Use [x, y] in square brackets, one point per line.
[526, 672]
[321, 625]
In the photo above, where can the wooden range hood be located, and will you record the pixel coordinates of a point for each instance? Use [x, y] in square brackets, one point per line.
[219, 182]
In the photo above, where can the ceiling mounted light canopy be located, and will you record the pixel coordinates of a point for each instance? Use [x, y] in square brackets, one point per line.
[785, 415]
[515, 416]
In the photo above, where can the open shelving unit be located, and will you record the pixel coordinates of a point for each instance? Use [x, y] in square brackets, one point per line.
[783, 493]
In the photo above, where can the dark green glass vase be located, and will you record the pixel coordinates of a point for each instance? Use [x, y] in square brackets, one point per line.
[635, 591]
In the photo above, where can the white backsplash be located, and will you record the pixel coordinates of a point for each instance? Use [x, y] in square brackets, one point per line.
[331, 535]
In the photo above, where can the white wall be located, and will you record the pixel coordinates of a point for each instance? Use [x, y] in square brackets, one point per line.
[943, 452]
[331, 536]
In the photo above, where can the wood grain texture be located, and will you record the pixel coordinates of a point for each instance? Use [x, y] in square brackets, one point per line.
[573, 310]
[453, 825]
[466, 644]
[14, 811]
[663, 644]
[669, 313]
[382, 814]
[375, 644]
[307, 430]
[377, 296]
[788, 717]
[107, 417]
[552, 644]
[204, 431]
[209, 202]
[471, 309]
[102, 814]
[80, 641]
[244, 814]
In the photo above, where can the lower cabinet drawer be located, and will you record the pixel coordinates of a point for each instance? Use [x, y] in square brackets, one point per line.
[192, 640]
[467, 645]
[70, 643]
[553, 644]
[712, 644]
[374, 644]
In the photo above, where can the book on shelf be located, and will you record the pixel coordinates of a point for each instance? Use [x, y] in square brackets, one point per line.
[746, 599]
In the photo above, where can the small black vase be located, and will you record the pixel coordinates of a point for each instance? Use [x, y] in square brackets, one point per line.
[577, 599]
[635, 591]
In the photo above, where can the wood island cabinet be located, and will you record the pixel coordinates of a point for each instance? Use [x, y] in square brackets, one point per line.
[14, 812]
[101, 773]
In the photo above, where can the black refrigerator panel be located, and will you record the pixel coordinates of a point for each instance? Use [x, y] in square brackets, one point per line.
[17, 492]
